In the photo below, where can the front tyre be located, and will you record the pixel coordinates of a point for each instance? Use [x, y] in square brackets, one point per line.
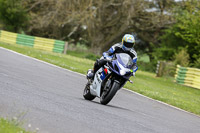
[107, 96]
[86, 93]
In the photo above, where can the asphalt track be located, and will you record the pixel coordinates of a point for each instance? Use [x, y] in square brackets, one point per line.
[50, 98]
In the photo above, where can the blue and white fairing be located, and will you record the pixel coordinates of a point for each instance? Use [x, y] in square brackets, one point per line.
[122, 65]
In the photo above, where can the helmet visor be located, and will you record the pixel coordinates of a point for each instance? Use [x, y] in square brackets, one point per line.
[128, 44]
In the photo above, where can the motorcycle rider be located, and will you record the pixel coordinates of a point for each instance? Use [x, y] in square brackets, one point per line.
[126, 46]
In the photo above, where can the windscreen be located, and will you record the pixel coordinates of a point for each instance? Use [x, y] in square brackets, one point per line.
[125, 60]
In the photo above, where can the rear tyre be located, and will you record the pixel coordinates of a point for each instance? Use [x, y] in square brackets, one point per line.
[107, 96]
[86, 93]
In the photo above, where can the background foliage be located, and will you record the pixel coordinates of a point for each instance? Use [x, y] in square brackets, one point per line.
[13, 16]
[162, 28]
[184, 34]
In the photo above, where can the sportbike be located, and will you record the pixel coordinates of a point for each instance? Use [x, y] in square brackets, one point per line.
[109, 78]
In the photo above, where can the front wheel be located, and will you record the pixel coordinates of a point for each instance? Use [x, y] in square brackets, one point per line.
[107, 95]
[86, 93]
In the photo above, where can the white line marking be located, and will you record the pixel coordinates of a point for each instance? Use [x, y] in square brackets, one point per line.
[84, 76]
[160, 102]
[41, 61]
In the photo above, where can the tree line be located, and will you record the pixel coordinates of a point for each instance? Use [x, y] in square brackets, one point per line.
[164, 29]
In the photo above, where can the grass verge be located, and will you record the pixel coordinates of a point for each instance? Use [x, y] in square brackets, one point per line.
[7, 126]
[162, 89]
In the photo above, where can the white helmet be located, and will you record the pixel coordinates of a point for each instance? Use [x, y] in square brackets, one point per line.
[128, 41]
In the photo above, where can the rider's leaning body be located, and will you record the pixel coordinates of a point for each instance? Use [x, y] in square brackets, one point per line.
[126, 46]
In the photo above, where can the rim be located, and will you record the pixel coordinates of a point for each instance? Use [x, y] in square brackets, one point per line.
[105, 93]
[86, 90]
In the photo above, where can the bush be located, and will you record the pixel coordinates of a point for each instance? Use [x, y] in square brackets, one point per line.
[182, 58]
[163, 53]
[197, 63]
[169, 69]
[147, 66]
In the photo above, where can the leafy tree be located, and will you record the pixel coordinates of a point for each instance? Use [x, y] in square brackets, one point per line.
[60, 19]
[185, 33]
[148, 26]
[131, 16]
[105, 21]
[13, 15]
[197, 63]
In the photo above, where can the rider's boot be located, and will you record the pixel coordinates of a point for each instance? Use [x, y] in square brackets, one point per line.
[90, 74]
[97, 65]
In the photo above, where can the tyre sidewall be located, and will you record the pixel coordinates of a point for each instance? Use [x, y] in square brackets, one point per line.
[111, 93]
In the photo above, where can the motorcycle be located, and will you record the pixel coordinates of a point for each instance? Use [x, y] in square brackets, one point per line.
[109, 78]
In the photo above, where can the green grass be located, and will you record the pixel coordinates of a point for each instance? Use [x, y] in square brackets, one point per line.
[7, 126]
[163, 89]
[83, 54]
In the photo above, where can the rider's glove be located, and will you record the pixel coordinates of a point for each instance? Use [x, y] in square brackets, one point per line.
[135, 68]
[132, 73]
[107, 57]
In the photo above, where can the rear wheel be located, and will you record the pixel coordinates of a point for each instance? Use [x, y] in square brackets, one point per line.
[109, 93]
[86, 93]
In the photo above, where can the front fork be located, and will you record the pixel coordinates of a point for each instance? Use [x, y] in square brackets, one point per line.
[110, 79]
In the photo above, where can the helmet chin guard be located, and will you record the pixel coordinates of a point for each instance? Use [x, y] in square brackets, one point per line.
[125, 48]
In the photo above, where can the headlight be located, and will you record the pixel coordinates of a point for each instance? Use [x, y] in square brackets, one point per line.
[122, 72]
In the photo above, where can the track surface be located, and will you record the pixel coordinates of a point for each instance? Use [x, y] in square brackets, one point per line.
[51, 100]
